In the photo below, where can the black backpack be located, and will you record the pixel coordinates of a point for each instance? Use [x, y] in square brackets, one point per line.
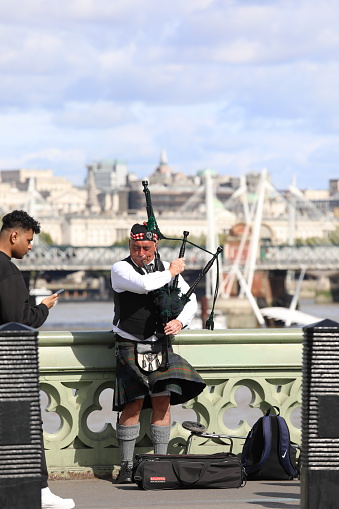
[268, 453]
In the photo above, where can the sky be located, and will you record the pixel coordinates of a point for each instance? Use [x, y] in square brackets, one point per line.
[231, 85]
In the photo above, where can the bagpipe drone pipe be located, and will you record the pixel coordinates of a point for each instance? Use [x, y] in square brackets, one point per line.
[168, 300]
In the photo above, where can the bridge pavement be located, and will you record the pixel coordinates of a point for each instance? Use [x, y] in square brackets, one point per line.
[102, 494]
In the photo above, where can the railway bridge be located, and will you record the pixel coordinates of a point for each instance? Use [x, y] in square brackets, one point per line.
[54, 258]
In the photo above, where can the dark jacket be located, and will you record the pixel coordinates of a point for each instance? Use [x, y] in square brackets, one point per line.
[14, 297]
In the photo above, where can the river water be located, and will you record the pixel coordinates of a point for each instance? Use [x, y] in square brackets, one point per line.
[98, 315]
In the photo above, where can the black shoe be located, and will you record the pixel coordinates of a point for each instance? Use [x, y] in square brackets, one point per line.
[125, 474]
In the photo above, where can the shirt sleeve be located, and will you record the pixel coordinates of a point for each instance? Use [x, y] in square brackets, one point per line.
[15, 305]
[125, 278]
[190, 308]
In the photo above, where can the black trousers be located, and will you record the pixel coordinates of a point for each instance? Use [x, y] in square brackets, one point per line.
[44, 471]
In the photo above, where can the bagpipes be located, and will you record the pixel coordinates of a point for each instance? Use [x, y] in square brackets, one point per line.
[168, 301]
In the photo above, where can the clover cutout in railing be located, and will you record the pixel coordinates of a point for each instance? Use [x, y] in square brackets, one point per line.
[180, 414]
[295, 417]
[243, 411]
[51, 420]
[98, 419]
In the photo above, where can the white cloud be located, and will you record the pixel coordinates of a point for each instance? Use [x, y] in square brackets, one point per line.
[256, 32]
[234, 84]
[99, 115]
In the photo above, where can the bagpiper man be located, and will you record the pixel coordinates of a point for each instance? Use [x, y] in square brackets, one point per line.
[143, 380]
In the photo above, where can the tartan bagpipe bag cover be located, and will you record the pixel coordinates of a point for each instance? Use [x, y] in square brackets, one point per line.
[183, 471]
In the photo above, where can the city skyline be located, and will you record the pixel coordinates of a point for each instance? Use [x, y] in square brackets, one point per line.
[232, 85]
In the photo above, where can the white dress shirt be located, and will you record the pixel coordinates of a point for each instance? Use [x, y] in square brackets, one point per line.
[125, 278]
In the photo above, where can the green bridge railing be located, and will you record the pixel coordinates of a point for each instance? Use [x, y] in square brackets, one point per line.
[77, 374]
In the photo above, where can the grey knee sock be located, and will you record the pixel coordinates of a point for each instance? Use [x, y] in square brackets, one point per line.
[160, 436]
[127, 436]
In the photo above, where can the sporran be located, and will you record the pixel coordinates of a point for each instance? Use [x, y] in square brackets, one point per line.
[149, 355]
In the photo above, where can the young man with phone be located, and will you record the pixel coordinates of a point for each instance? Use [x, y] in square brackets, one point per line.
[16, 237]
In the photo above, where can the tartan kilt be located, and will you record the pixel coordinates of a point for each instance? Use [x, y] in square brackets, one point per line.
[181, 379]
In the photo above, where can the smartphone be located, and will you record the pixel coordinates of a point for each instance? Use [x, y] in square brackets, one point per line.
[60, 291]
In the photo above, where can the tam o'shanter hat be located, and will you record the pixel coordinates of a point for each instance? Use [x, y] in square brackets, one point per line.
[145, 231]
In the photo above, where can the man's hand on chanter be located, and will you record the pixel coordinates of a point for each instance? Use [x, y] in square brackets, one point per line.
[177, 266]
[173, 327]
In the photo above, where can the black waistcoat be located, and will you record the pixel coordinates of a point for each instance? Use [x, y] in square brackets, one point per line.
[136, 312]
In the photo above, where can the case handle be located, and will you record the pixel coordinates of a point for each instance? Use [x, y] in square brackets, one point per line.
[180, 469]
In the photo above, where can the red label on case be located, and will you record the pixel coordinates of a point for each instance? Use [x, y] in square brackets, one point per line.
[157, 479]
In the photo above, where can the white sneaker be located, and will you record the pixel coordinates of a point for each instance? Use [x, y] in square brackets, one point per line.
[51, 501]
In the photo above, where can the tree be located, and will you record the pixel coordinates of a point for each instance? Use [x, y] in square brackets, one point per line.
[45, 237]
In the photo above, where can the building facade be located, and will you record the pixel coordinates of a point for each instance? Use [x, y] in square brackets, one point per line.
[102, 212]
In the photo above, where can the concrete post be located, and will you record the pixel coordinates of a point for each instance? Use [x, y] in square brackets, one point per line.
[320, 416]
[20, 421]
